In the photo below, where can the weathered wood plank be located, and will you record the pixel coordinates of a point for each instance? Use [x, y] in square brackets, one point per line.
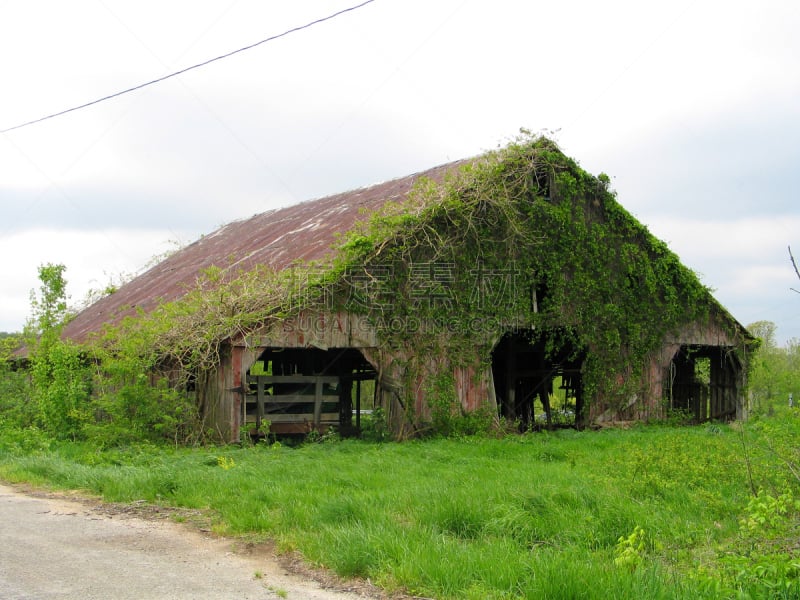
[297, 399]
[326, 418]
[269, 379]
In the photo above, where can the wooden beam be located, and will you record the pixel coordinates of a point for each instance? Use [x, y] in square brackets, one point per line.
[324, 418]
[281, 399]
[268, 379]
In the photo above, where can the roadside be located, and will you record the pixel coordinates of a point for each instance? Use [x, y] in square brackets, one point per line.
[55, 546]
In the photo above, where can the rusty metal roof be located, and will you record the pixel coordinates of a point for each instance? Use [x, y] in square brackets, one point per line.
[277, 238]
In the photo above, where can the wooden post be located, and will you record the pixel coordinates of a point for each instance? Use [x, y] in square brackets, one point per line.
[346, 403]
[260, 397]
[717, 385]
[317, 401]
[358, 405]
[511, 381]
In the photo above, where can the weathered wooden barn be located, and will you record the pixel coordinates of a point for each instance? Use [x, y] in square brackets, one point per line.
[485, 285]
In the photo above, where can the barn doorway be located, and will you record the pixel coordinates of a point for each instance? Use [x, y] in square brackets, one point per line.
[299, 390]
[537, 379]
[704, 383]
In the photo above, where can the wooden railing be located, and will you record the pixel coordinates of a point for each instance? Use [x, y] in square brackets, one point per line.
[303, 404]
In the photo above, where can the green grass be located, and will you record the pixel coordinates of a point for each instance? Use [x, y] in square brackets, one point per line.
[534, 516]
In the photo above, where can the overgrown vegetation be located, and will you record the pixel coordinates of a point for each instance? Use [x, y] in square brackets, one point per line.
[524, 237]
[775, 372]
[650, 512]
[519, 237]
[84, 392]
[17, 408]
[653, 512]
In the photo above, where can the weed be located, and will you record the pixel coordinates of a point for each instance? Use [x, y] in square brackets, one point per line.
[225, 462]
[769, 512]
[563, 515]
[630, 550]
[376, 427]
[315, 437]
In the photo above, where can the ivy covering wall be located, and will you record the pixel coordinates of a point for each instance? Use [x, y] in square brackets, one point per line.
[524, 238]
[521, 237]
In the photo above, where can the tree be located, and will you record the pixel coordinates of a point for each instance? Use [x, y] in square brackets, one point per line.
[60, 377]
[765, 331]
[775, 370]
[766, 365]
[9, 342]
[49, 307]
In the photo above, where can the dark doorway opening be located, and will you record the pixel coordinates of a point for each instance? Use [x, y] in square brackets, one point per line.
[299, 390]
[537, 379]
[704, 383]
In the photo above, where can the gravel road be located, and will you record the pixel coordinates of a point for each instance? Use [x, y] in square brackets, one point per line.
[54, 547]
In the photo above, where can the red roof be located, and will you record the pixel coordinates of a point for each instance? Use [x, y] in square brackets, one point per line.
[277, 238]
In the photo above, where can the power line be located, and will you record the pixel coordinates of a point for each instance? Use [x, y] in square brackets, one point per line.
[197, 66]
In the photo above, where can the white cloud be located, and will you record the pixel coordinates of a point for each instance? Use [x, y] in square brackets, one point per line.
[689, 106]
[93, 260]
[755, 280]
[742, 241]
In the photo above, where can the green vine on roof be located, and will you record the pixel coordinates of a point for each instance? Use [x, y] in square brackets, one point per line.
[519, 237]
[529, 213]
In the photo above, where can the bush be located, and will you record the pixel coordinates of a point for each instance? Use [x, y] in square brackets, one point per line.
[16, 402]
[61, 387]
[375, 426]
[138, 411]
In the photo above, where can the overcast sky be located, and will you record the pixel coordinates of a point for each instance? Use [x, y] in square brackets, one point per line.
[692, 107]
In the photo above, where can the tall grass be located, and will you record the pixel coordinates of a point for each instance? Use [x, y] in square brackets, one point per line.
[533, 516]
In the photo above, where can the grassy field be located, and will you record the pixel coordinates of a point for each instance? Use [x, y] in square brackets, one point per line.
[647, 512]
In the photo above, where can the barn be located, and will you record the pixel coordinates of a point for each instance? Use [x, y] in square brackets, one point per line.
[512, 285]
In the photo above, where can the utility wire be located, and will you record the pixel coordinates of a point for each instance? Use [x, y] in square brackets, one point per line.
[197, 66]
